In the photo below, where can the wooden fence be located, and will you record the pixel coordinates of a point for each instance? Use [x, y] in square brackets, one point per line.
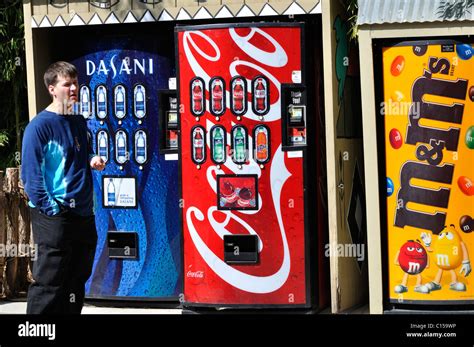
[16, 241]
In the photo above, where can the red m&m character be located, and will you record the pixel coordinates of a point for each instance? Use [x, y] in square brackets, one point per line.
[412, 257]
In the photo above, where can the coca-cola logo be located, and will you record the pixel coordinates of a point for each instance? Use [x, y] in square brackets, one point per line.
[195, 274]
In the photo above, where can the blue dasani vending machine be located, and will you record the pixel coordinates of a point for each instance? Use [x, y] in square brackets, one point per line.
[131, 116]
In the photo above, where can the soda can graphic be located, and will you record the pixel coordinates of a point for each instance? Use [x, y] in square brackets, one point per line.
[217, 90]
[239, 144]
[139, 101]
[261, 141]
[121, 148]
[140, 142]
[218, 144]
[238, 95]
[260, 95]
[101, 101]
[85, 95]
[198, 144]
[102, 144]
[198, 99]
[120, 103]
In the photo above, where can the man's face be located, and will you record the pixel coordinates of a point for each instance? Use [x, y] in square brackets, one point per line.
[65, 90]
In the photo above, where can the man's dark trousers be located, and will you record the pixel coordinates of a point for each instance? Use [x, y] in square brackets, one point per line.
[65, 254]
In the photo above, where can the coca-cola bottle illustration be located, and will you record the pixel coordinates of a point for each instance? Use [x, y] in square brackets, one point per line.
[197, 96]
[217, 96]
[238, 95]
[198, 145]
[261, 144]
[260, 95]
[238, 91]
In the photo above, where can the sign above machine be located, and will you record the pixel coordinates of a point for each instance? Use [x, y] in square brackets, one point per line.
[59, 13]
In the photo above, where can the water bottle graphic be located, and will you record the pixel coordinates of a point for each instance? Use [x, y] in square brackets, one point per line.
[218, 145]
[140, 147]
[103, 144]
[111, 193]
[139, 104]
[85, 101]
[121, 147]
[101, 98]
[120, 105]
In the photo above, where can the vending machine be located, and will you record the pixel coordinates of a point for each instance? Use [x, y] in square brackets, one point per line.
[128, 99]
[243, 120]
[428, 140]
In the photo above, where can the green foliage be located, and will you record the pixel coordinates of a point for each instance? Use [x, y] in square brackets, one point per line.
[11, 39]
[12, 81]
[3, 138]
[454, 9]
[352, 10]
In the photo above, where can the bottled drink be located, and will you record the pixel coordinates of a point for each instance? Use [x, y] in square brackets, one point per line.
[217, 94]
[262, 145]
[173, 138]
[238, 95]
[198, 144]
[103, 146]
[121, 147]
[260, 96]
[85, 100]
[140, 145]
[101, 102]
[111, 193]
[120, 102]
[140, 109]
[239, 146]
[218, 146]
[197, 106]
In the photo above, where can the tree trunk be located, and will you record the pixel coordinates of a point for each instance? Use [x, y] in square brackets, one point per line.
[3, 236]
[11, 190]
[17, 105]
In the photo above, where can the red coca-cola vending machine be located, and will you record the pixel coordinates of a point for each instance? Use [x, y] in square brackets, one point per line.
[243, 120]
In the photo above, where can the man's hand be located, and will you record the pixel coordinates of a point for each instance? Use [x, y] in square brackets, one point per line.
[97, 163]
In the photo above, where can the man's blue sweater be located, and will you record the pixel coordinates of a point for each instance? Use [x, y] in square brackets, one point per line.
[55, 164]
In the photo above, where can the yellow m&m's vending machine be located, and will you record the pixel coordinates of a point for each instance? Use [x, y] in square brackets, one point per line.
[427, 112]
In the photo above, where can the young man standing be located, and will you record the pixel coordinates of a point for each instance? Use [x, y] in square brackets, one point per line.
[56, 163]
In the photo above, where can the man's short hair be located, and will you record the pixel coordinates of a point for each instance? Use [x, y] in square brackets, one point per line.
[55, 70]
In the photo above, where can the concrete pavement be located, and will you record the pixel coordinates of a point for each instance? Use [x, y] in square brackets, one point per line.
[19, 307]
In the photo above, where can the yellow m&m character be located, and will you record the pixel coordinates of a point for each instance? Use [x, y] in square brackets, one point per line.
[450, 252]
